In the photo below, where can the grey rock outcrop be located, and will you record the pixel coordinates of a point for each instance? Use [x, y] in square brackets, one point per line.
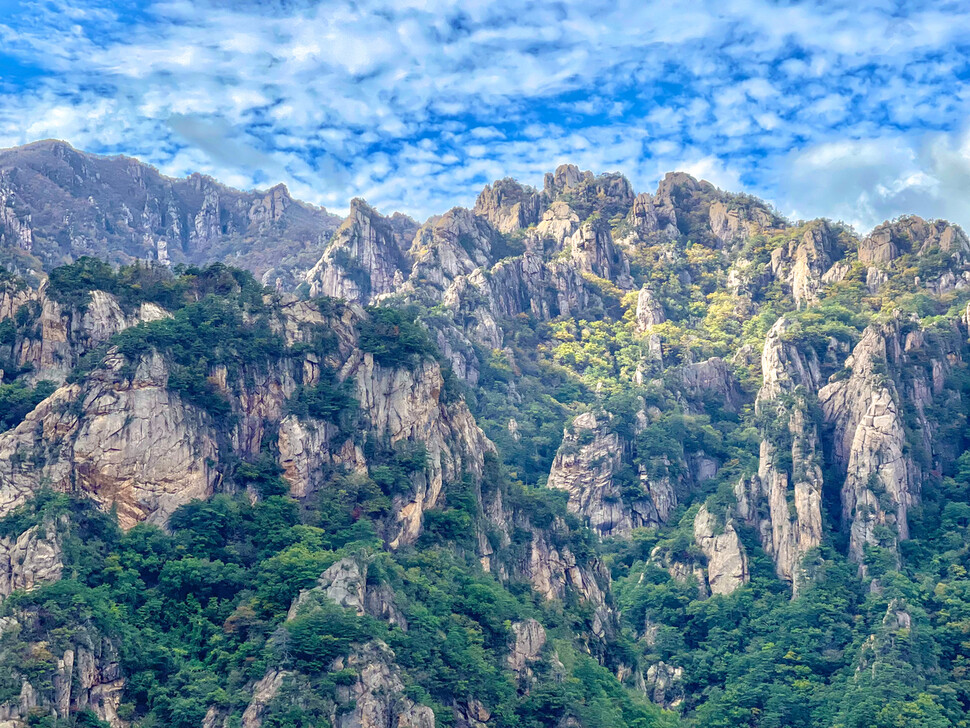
[912, 234]
[585, 466]
[530, 638]
[784, 500]
[717, 562]
[663, 685]
[31, 559]
[802, 262]
[649, 311]
[55, 336]
[508, 206]
[881, 480]
[264, 690]
[85, 675]
[345, 584]
[727, 562]
[377, 697]
[129, 443]
[732, 223]
[364, 261]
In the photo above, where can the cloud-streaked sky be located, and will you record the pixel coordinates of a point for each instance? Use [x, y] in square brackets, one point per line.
[852, 110]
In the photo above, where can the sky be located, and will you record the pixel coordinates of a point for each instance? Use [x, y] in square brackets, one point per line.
[856, 111]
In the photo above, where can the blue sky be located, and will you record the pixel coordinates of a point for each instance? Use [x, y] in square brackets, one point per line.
[851, 110]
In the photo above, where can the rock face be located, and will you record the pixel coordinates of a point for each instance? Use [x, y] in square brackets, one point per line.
[121, 209]
[783, 501]
[663, 685]
[508, 206]
[127, 443]
[363, 261]
[724, 566]
[585, 465]
[802, 262]
[401, 404]
[446, 247]
[881, 480]
[530, 638]
[727, 562]
[912, 234]
[345, 584]
[649, 310]
[126, 439]
[50, 338]
[732, 223]
[377, 697]
[264, 690]
[85, 675]
[31, 559]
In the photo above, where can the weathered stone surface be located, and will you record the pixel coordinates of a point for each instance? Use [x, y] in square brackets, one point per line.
[727, 562]
[127, 443]
[264, 690]
[377, 696]
[585, 465]
[803, 261]
[364, 261]
[663, 685]
[31, 559]
[912, 234]
[530, 638]
[783, 500]
[508, 206]
[649, 310]
[870, 445]
[732, 223]
[85, 675]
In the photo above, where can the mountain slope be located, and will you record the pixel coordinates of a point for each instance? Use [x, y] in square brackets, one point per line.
[57, 204]
[541, 463]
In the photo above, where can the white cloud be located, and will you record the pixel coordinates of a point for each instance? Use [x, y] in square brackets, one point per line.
[337, 99]
[865, 182]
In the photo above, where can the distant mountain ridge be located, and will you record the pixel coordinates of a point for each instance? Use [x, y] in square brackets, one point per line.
[57, 203]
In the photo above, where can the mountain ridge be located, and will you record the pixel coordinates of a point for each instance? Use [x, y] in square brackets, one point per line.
[575, 457]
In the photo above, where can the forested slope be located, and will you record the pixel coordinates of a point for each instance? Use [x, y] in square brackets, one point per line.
[575, 457]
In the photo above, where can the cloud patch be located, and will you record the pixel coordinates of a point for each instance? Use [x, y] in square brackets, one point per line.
[415, 105]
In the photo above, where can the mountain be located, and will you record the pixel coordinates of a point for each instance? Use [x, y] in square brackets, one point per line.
[58, 204]
[576, 457]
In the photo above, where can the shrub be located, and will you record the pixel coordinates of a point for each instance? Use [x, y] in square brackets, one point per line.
[394, 337]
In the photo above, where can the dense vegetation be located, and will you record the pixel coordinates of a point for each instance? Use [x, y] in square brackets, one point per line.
[198, 615]
[198, 612]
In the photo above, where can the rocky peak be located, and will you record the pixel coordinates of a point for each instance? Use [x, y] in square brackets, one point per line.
[881, 479]
[609, 194]
[566, 177]
[446, 247]
[912, 234]
[647, 218]
[362, 262]
[731, 222]
[558, 223]
[508, 206]
[120, 209]
[784, 500]
[593, 250]
[803, 261]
